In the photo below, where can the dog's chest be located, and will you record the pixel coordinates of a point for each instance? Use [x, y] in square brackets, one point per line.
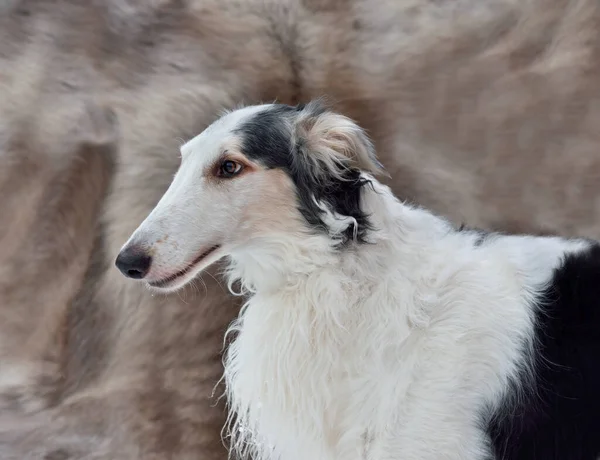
[358, 385]
[301, 383]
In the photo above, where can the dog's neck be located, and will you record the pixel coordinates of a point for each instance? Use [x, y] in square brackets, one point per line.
[267, 265]
[282, 261]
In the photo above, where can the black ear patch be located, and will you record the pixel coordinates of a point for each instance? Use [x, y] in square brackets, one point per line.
[267, 138]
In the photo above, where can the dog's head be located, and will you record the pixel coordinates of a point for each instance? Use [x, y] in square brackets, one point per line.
[260, 173]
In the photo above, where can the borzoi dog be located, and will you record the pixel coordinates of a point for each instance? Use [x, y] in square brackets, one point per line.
[373, 328]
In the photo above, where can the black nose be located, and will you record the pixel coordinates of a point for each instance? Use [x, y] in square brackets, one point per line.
[134, 262]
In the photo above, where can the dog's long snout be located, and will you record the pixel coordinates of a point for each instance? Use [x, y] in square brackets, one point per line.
[134, 262]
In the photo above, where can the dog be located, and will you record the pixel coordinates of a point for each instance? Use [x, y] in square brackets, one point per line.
[374, 329]
[482, 111]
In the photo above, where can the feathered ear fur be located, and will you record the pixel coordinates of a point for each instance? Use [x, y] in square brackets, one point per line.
[330, 152]
[334, 140]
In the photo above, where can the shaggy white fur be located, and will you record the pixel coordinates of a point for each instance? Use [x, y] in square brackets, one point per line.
[397, 347]
[391, 350]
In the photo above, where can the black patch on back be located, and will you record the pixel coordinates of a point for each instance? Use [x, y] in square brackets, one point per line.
[267, 139]
[554, 413]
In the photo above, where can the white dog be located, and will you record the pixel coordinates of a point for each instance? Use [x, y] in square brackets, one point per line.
[374, 329]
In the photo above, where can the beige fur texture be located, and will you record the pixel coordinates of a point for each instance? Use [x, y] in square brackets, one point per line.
[487, 111]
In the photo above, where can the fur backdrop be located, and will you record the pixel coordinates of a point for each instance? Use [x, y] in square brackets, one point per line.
[486, 111]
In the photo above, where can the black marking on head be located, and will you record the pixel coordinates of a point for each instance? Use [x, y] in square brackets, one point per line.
[267, 139]
[553, 410]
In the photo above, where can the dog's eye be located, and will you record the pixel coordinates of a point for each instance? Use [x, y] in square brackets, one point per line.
[229, 168]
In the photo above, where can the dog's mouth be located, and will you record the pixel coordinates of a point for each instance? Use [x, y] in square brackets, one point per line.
[171, 279]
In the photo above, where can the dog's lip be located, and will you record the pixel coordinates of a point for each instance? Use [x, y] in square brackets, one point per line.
[164, 282]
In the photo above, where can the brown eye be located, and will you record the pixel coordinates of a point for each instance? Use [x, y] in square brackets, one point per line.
[229, 168]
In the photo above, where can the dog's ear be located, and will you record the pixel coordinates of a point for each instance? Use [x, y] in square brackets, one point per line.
[329, 153]
[334, 140]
